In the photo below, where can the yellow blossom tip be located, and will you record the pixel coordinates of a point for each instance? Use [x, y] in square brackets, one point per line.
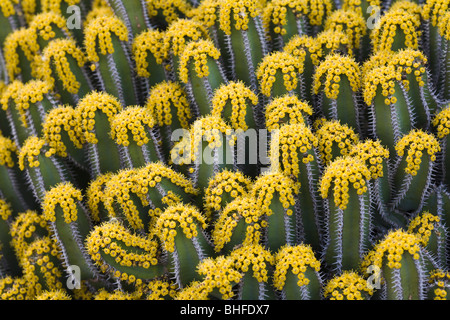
[198, 53]
[64, 196]
[132, 124]
[187, 218]
[100, 30]
[8, 152]
[54, 57]
[281, 62]
[296, 259]
[342, 173]
[373, 154]
[332, 134]
[172, 94]
[148, 42]
[329, 73]
[274, 184]
[236, 14]
[239, 97]
[32, 148]
[390, 249]
[286, 109]
[347, 286]
[417, 143]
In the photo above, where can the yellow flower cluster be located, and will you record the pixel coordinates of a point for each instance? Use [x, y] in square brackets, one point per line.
[213, 130]
[40, 265]
[351, 22]
[349, 286]
[163, 97]
[132, 124]
[391, 249]
[444, 26]
[275, 13]
[7, 8]
[356, 5]
[295, 259]
[372, 153]
[59, 121]
[119, 190]
[55, 57]
[158, 290]
[176, 218]
[409, 61]
[156, 171]
[170, 9]
[232, 100]
[439, 281]
[432, 10]
[117, 294]
[417, 142]
[218, 273]
[13, 288]
[207, 13]
[88, 107]
[31, 150]
[180, 33]
[55, 5]
[377, 59]
[10, 93]
[8, 152]
[19, 40]
[289, 146]
[396, 21]
[236, 14]
[224, 187]
[64, 196]
[318, 11]
[341, 174]
[241, 210]
[286, 110]
[381, 78]
[298, 45]
[333, 134]
[5, 210]
[200, 52]
[27, 227]
[423, 225]
[329, 73]
[195, 290]
[148, 42]
[59, 295]
[114, 241]
[275, 186]
[253, 257]
[331, 41]
[100, 30]
[286, 65]
[30, 93]
[441, 122]
[95, 194]
[43, 25]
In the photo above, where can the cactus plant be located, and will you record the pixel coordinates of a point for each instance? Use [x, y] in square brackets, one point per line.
[227, 149]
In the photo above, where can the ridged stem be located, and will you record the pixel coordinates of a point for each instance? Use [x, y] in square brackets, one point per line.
[297, 273]
[348, 220]
[180, 230]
